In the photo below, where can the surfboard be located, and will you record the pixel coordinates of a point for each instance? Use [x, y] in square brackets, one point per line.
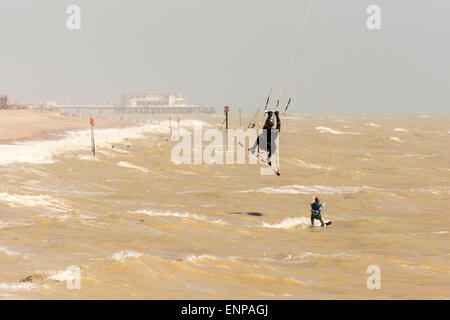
[261, 160]
[326, 222]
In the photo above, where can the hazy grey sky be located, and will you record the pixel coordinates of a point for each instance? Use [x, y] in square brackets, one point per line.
[229, 52]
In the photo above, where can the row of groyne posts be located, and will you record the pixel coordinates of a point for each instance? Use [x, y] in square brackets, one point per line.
[226, 122]
[92, 122]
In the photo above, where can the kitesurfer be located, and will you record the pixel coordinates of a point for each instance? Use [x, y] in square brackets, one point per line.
[316, 211]
[269, 133]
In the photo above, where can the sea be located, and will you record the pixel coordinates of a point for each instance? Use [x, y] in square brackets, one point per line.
[130, 223]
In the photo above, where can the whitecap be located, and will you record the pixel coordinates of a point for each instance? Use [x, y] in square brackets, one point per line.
[396, 139]
[288, 223]
[332, 131]
[440, 232]
[16, 286]
[63, 276]
[198, 258]
[8, 252]
[184, 215]
[42, 152]
[131, 166]
[401, 130]
[17, 200]
[124, 255]
[308, 165]
[316, 189]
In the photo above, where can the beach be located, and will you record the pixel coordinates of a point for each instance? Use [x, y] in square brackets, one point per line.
[40, 124]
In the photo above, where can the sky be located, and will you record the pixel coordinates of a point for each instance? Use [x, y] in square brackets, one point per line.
[231, 52]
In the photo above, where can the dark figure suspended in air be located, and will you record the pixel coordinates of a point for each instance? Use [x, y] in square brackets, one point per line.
[267, 135]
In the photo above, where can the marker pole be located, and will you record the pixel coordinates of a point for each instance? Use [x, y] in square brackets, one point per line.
[226, 110]
[240, 118]
[92, 136]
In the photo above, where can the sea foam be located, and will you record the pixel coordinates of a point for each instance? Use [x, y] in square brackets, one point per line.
[16, 286]
[131, 166]
[332, 131]
[288, 223]
[42, 152]
[396, 139]
[316, 189]
[8, 251]
[184, 215]
[124, 255]
[45, 201]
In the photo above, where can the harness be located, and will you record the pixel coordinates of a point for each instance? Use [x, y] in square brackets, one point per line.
[315, 212]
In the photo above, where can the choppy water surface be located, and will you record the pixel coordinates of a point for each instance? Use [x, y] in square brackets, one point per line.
[139, 226]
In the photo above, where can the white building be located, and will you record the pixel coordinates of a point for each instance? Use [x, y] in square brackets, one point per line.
[162, 102]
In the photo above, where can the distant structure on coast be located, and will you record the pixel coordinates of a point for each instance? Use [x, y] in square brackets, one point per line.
[161, 102]
[135, 103]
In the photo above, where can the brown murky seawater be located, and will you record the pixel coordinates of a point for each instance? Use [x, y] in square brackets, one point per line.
[139, 226]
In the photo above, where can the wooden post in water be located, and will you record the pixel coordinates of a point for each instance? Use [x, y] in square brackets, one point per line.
[240, 119]
[92, 136]
[226, 110]
[178, 120]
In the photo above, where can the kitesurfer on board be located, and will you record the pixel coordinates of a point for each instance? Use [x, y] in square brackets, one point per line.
[316, 211]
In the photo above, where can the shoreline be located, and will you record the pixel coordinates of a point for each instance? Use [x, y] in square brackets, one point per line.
[37, 124]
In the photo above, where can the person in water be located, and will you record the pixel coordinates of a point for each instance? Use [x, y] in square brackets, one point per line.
[270, 134]
[316, 211]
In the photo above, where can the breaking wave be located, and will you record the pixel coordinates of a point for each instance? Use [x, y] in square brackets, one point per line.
[42, 152]
[62, 276]
[299, 189]
[288, 223]
[396, 139]
[332, 131]
[307, 165]
[199, 258]
[124, 255]
[16, 286]
[183, 215]
[17, 200]
[8, 251]
[131, 166]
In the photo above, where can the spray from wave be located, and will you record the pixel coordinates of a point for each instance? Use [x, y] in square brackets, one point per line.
[288, 223]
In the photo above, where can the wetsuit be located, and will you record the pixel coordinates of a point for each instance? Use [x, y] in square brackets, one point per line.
[316, 211]
[267, 129]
